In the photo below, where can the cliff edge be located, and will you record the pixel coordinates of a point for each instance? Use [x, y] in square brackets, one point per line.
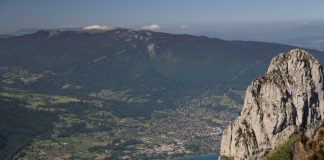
[286, 100]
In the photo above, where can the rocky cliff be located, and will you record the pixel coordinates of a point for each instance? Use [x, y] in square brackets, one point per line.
[286, 100]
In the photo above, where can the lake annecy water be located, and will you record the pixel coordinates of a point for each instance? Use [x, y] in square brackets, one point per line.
[204, 157]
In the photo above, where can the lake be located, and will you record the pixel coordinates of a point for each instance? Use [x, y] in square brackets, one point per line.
[203, 157]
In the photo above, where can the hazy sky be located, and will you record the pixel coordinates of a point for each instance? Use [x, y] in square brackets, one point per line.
[175, 15]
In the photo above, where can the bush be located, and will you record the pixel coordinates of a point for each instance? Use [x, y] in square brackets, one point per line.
[226, 158]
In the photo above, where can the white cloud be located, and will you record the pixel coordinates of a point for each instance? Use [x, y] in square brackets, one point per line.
[96, 27]
[306, 22]
[151, 27]
[185, 26]
[264, 23]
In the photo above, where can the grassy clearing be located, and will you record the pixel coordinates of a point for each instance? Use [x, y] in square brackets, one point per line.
[215, 101]
[37, 100]
[122, 95]
[62, 99]
[12, 74]
[80, 143]
[65, 148]
[226, 158]
[284, 150]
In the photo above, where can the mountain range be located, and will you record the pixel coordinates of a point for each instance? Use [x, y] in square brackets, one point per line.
[135, 58]
[94, 82]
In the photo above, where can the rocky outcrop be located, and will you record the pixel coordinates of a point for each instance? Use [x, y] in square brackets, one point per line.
[286, 100]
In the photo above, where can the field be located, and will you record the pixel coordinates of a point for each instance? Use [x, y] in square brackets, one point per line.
[90, 127]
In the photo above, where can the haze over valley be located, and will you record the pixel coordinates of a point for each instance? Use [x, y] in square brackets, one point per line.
[163, 80]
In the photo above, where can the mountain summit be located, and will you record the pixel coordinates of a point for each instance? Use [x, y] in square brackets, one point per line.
[287, 100]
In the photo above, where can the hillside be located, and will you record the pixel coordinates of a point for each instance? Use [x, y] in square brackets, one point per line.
[137, 58]
[110, 94]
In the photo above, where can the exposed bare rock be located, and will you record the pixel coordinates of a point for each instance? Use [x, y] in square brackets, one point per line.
[287, 99]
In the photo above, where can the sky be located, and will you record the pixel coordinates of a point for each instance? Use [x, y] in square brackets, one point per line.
[164, 15]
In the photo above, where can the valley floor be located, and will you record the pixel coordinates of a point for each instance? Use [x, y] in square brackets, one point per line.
[91, 127]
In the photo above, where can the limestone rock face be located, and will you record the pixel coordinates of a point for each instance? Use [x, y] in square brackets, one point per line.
[287, 99]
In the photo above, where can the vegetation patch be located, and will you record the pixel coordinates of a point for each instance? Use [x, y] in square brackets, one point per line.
[284, 150]
[19, 125]
[12, 74]
[226, 158]
[37, 100]
[315, 148]
[123, 96]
